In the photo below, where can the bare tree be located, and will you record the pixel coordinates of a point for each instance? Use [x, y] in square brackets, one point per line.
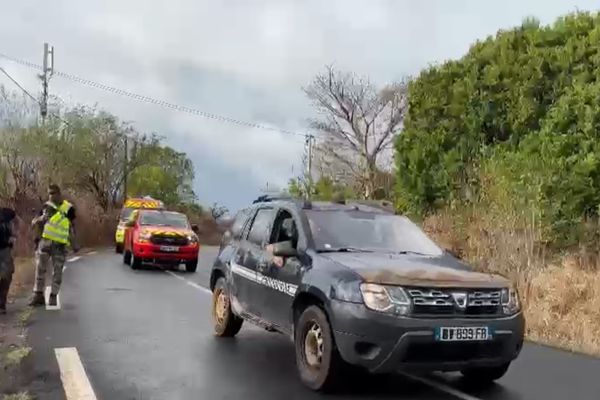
[359, 122]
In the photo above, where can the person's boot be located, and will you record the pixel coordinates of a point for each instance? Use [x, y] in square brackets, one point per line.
[37, 299]
[52, 300]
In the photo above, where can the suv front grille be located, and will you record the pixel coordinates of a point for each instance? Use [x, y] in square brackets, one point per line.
[455, 302]
[164, 240]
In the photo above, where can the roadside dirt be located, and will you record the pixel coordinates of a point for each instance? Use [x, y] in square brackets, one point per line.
[16, 362]
[16, 358]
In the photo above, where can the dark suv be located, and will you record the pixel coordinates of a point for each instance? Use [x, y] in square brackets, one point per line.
[357, 287]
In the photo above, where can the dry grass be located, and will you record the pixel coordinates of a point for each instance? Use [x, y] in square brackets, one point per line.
[560, 292]
[18, 396]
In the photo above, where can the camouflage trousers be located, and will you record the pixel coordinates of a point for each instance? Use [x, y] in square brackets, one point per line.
[7, 268]
[49, 253]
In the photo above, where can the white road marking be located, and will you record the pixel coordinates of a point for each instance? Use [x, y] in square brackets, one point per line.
[47, 296]
[72, 374]
[190, 283]
[441, 386]
[91, 253]
[72, 259]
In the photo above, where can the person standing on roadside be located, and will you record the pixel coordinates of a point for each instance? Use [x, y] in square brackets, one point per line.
[7, 265]
[55, 223]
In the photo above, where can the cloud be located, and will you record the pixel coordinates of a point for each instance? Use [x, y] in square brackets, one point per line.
[243, 59]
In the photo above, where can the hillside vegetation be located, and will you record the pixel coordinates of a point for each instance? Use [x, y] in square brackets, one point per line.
[83, 150]
[501, 156]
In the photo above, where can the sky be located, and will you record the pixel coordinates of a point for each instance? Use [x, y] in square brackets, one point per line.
[243, 59]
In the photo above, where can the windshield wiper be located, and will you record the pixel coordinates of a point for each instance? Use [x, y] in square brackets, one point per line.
[345, 250]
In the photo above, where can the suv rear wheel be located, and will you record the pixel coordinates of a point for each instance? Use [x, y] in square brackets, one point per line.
[485, 375]
[319, 364]
[226, 323]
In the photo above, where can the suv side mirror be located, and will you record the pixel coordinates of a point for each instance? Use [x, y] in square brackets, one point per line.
[195, 229]
[284, 249]
[130, 224]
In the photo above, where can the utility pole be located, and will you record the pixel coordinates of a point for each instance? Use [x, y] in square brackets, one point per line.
[309, 156]
[48, 71]
[309, 142]
[125, 166]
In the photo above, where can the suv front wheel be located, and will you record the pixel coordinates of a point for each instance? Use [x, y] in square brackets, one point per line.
[226, 323]
[319, 364]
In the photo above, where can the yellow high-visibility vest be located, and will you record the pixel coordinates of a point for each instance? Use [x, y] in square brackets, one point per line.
[57, 228]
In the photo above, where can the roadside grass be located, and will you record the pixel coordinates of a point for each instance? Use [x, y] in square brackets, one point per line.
[560, 291]
[15, 356]
[24, 316]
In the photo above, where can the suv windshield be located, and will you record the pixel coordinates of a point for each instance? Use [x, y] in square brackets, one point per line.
[164, 219]
[367, 231]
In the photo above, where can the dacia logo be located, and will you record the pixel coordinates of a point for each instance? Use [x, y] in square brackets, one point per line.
[460, 298]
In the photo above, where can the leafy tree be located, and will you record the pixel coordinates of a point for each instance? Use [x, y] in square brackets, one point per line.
[324, 189]
[82, 149]
[162, 173]
[523, 106]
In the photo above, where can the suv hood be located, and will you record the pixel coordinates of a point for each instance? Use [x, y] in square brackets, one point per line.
[166, 230]
[415, 270]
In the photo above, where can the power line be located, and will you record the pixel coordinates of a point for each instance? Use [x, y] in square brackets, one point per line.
[151, 100]
[18, 85]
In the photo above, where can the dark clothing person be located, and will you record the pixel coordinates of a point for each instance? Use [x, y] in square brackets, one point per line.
[7, 266]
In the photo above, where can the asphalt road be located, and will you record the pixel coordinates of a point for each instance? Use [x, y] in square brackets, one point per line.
[146, 335]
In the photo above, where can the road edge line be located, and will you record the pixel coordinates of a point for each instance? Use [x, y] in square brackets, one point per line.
[72, 374]
[440, 386]
[190, 283]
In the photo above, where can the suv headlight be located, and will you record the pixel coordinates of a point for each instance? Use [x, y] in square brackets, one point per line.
[192, 238]
[510, 301]
[144, 236]
[385, 299]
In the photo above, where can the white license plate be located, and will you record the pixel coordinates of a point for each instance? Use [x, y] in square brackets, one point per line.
[169, 248]
[462, 334]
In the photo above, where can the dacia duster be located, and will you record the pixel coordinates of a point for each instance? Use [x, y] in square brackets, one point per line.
[357, 287]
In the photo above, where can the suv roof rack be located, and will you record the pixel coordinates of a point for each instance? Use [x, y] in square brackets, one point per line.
[270, 197]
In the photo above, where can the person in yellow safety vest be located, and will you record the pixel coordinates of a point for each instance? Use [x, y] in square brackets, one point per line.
[57, 233]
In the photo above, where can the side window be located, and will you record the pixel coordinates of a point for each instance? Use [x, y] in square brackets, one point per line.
[259, 231]
[239, 222]
[284, 229]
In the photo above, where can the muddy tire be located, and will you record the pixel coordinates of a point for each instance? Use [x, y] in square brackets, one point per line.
[319, 363]
[486, 375]
[127, 257]
[225, 322]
